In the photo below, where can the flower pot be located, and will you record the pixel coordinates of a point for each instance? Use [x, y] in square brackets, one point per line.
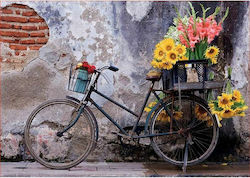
[81, 81]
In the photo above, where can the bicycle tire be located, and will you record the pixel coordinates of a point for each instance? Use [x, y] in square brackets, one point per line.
[60, 152]
[179, 145]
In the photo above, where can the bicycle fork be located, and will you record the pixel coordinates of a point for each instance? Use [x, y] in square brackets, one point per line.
[80, 110]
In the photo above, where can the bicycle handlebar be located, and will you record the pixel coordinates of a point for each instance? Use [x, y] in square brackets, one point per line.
[112, 68]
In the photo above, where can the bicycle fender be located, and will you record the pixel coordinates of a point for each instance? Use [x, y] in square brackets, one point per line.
[149, 116]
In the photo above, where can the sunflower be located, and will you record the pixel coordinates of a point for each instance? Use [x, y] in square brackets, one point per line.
[177, 115]
[181, 49]
[242, 114]
[167, 65]
[227, 113]
[225, 101]
[183, 58]
[212, 52]
[210, 123]
[147, 109]
[152, 104]
[155, 64]
[236, 96]
[172, 57]
[201, 113]
[167, 44]
[213, 60]
[163, 117]
[239, 109]
[159, 53]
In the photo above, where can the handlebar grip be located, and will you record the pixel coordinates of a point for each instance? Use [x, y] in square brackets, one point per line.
[113, 68]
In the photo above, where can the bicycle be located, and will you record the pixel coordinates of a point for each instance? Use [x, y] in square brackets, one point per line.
[61, 133]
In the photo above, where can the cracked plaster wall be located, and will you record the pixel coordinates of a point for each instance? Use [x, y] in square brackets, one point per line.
[123, 33]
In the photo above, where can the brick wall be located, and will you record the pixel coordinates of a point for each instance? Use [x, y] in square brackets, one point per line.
[22, 30]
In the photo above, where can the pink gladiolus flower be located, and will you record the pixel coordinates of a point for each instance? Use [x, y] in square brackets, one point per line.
[191, 21]
[180, 27]
[192, 44]
[183, 40]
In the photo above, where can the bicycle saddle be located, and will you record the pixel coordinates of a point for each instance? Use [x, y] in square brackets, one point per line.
[153, 75]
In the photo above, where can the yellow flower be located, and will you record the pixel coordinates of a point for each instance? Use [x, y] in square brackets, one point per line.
[167, 44]
[172, 57]
[183, 58]
[214, 60]
[181, 49]
[152, 104]
[242, 114]
[155, 64]
[210, 123]
[79, 65]
[212, 52]
[167, 65]
[201, 113]
[177, 115]
[163, 117]
[236, 96]
[147, 109]
[227, 113]
[225, 101]
[159, 53]
[238, 109]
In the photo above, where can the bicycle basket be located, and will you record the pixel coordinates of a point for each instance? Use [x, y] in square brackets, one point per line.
[170, 77]
[78, 80]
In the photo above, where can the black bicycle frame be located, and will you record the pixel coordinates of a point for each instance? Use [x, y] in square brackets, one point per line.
[88, 98]
[151, 90]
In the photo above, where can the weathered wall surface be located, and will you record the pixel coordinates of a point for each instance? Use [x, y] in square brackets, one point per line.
[124, 33]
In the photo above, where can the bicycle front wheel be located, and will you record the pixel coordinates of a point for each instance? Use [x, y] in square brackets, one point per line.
[65, 151]
[196, 131]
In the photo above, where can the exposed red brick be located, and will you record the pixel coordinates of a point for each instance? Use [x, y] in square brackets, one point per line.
[6, 11]
[29, 27]
[17, 53]
[8, 41]
[34, 47]
[17, 47]
[9, 54]
[18, 12]
[23, 54]
[30, 41]
[36, 20]
[15, 34]
[37, 34]
[13, 19]
[19, 6]
[42, 40]
[29, 13]
[3, 25]
[43, 27]
[17, 26]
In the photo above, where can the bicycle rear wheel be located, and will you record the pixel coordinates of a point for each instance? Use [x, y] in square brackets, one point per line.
[197, 130]
[51, 150]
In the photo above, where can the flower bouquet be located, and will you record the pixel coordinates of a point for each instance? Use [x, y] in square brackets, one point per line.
[229, 104]
[190, 39]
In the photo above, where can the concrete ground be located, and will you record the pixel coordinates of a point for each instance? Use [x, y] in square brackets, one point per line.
[149, 169]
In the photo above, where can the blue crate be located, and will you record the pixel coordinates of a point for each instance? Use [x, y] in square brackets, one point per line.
[81, 81]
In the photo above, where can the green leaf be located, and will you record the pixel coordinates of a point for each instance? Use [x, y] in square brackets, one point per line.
[229, 70]
[229, 87]
[225, 16]
[211, 75]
